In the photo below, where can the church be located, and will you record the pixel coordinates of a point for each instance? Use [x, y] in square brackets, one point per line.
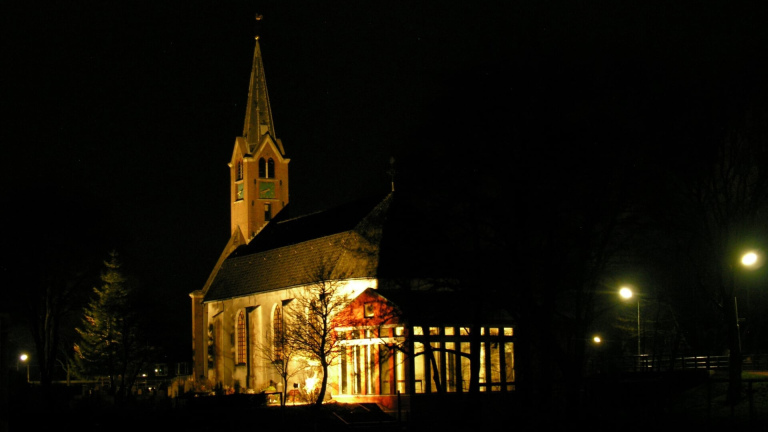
[403, 329]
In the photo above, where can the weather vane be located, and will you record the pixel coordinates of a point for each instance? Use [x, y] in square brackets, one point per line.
[259, 17]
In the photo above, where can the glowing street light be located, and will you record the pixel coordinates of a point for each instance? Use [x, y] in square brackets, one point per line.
[749, 259]
[626, 293]
[597, 339]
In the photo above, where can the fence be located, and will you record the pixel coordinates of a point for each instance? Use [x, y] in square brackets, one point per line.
[653, 363]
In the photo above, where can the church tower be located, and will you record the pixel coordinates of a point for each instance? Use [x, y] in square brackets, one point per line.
[259, 167]
[258, 191]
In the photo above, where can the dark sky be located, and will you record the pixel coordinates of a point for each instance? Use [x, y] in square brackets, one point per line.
[120, 116]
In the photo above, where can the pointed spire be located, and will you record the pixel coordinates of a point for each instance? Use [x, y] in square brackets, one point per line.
[258, 113]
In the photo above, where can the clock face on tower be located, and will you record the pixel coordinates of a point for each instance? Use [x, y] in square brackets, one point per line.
[266, 190]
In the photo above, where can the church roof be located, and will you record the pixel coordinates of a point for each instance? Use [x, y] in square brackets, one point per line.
[339, 243]
[284, 230]
[380, 236]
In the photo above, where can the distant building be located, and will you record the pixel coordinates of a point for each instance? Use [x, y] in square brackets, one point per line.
[406, 331]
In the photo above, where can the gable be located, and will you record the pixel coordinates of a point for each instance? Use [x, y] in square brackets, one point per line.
[267, 146]
[239, 151]
[369, 309]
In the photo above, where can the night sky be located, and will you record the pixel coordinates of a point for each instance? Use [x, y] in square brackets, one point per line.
[120, 116]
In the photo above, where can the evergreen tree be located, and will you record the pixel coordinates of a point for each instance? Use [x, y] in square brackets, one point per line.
[110, 336]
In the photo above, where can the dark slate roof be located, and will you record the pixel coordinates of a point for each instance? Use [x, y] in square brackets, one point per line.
[284, 230]
[439, 306]
[334, 244]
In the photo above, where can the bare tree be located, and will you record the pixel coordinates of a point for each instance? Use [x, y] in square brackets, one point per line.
[49, 305]
[724, 198]
[282, 357]
[310, 325]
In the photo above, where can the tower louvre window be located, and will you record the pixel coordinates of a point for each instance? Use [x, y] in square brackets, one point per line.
[239, 174]
[266, 168]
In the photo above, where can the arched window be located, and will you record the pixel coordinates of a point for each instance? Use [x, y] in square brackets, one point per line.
[211, 346]
[266, 168]
[241, 339]
[277, 332]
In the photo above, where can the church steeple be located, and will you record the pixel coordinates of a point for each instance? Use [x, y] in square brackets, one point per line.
[259, 166]
[258, 170]
[258, 113]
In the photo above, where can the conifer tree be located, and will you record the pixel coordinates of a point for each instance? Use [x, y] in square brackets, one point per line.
[110, 342]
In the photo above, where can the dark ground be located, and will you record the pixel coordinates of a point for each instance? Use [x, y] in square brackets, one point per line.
[680, 401]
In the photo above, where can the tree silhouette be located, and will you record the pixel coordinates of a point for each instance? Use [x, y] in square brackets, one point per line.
[279, 353]
[310, 326]
[111, 342]
[714, 212]
[56, 270]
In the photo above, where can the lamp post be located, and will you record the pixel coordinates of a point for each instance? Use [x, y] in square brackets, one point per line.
[749, 260]
[626, 293]
[24, 359]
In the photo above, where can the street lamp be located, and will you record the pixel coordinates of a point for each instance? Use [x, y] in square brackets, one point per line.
[750, 260]
[24, 359]
[626, 293]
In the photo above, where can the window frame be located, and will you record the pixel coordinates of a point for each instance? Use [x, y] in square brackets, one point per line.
[278, 336]
[241, 339]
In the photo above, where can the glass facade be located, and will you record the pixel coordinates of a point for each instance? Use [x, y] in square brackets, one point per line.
[379, 361]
